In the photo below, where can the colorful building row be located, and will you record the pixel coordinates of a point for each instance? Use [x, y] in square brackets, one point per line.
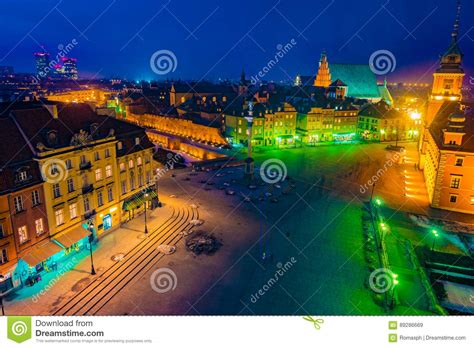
[67, 175]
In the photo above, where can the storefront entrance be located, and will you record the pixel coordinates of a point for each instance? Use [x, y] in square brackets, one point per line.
[107, 222]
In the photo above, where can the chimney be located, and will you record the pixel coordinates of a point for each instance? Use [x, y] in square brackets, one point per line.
[53, 110]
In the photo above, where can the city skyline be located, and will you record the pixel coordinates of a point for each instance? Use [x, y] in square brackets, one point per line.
[104, 50]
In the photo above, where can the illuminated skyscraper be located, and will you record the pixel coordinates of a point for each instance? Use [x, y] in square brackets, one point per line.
[42, 64]
[69, 69]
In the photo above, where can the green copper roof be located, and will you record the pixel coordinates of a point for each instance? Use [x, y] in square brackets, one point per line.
[361, 81]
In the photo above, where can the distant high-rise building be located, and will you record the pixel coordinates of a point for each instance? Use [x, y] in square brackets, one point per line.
[6, 71]
[69, 68]
[42, 64]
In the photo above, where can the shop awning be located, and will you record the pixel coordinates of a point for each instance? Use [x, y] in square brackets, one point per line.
[41, 253]
[68, 238]
[137, 200]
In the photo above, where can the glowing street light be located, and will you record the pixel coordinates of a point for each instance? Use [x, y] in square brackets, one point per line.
[435, 236]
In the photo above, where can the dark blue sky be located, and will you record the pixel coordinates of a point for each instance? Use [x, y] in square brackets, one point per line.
[217, 38]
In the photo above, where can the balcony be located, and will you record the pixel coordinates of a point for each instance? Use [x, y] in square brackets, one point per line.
[85, 165]
[87, 188]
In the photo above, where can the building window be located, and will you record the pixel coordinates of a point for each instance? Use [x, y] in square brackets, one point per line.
[108, 171]
[107, 153]
[119, 145]
[59, 215]
[83, 159]
[132, 181]
[100, 199]
[124, 187]
[110, 194]
[39, 226]
[3, 256]
[130, 164]
[472, 203]
[70, 185]
[22, 175]
[137, 141]
[455, 182]
[147, 159]
[139, 161]
[73, 210]
[140, 179]
[18, 203]
[459, 161]
[98, 174]
[68, 164]
[56, 190]
[453, 198]
[87, 205]
[148, 177]
[2, 233]
[35, 197]
[122, 167]
[22, 234]
[96, 156]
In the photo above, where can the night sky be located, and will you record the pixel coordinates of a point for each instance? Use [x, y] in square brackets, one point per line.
[217, 38]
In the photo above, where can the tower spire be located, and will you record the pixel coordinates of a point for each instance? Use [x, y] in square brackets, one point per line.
[455, 33]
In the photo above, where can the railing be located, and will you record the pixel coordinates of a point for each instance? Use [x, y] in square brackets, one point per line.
[87, 188]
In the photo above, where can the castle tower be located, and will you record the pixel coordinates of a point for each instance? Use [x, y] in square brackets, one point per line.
[323, 78]
[448, 78]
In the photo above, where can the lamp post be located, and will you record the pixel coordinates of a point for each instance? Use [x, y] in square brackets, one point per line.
[395, 283]
[146, 197]
[90, 225]
[249, 160]
[2, 279]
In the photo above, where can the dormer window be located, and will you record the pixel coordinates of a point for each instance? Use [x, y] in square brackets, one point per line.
[52, 137]
[119, 145]
[137, 141]
[22, 175]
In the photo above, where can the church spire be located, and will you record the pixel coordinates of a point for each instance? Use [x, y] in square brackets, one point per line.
[455, 33]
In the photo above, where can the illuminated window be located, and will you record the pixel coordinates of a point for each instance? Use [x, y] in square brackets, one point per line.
[108, 171]
[139, 161]
[472, 200]
[130, 164]
[59, 215]
[73, 211]
[98, 174]
[455, 181]
[122, 167]
[39, 226]
[22, 234]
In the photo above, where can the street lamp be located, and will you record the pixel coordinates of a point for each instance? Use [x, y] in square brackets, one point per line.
[90, 225]
[2, 280]
[146, 228]
[435, 235]
[395, 283]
